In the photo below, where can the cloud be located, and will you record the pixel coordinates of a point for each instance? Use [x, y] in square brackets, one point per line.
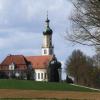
[23, 21]
[19, 40]
[27, 14]
[20, 43]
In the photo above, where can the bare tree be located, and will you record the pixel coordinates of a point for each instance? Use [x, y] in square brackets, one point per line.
[79, 66]
[96, 59]
[82, 68]
[85, 23]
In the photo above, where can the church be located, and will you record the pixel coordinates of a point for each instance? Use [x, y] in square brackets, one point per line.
[31, 67]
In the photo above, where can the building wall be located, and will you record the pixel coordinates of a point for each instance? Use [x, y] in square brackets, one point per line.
[47, 41]
[41, 75]
[47, 47]
[47, 51]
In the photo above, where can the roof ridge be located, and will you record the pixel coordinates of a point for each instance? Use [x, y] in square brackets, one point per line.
[15, 55]
[40, 56]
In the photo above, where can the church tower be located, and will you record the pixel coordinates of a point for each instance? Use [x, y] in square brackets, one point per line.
[47, 47]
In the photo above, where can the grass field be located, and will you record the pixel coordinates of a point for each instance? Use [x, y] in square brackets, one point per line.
[26, 90]
[31, 85]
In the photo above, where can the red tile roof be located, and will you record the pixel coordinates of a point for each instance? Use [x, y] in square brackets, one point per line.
[18, 60]
[21, 62]
[39, 62]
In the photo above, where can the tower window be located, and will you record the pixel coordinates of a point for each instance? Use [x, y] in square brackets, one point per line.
[45, 51]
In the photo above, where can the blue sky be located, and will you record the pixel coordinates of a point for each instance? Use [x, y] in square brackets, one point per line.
[23, 21]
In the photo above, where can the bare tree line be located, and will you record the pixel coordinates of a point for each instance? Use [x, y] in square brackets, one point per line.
[84, 69]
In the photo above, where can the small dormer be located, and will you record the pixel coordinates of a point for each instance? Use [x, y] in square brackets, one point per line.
[12, 66]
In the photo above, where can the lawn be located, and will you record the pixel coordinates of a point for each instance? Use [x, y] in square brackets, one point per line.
[31, 85]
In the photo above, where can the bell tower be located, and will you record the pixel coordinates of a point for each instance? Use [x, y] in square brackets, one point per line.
[47, 47]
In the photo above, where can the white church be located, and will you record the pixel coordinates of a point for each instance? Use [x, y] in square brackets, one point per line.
[14, 65]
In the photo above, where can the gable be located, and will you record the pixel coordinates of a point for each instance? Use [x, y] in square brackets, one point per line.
[18, 60]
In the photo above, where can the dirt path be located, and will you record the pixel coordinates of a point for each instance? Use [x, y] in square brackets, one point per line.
[6, 93]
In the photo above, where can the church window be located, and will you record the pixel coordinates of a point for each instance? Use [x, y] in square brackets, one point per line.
[38, 75]
[45, 75]
[41, 75]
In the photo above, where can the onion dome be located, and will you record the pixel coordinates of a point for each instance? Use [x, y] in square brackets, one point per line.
[48, 30]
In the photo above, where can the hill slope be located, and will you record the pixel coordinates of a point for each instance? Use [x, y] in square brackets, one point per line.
[31, 85]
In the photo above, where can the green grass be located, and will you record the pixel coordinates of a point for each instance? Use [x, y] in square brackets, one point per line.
[31, 85]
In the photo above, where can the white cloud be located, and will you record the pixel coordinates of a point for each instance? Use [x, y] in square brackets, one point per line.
[22, 23]
[20, 43]
[19, 39]
[18, 13]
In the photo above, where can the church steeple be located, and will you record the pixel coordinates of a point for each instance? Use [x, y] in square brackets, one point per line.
[47, 48]
[47, 20]
[48, 30]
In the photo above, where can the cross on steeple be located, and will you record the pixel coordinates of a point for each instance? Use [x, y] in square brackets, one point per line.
[47, 20]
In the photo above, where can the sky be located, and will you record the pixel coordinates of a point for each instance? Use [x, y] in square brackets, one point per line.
[22, 23]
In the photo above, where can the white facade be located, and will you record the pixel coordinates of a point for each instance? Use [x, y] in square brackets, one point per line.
[41, 75]
[47, 40]
[47, 47]
[47, 51]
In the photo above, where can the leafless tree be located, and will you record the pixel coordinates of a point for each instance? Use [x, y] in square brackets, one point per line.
[83, 69]
[85, 23]
[96, 59]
